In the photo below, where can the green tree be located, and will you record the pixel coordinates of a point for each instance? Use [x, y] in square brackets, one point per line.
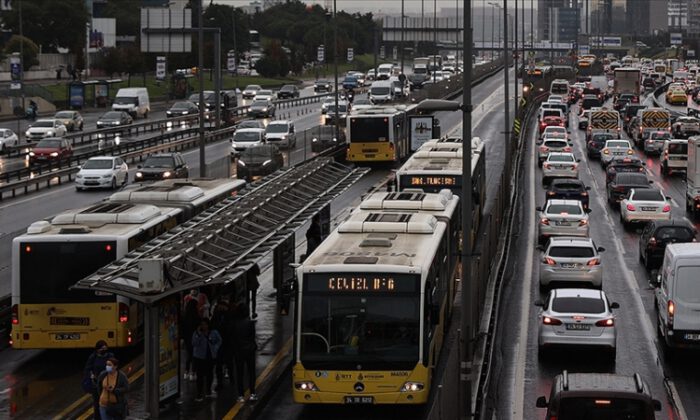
[267, 67]
[127, 14]
[30, 52]
[111, 60]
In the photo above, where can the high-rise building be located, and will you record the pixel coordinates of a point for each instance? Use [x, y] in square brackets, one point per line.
[678, 15]
[693, 27]
[545, 8]
[564, 22]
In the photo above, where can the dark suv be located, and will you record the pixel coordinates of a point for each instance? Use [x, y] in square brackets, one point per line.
[624, 164]
[621, 184]
[259, 160]
[568, 189]
[597, 143]
[162, 166]
[288, 92]
[599, 396]
[659, 233]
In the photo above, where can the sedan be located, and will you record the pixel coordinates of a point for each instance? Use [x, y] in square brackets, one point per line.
[261, 108]
[569, 189]
[571, 260]
[559, 165]
[264, 95]
[624, 164]
[114, 119]
[659, 233]
[71, 119]
[102, 172]
[288, 92]
[51, 149]
[163, 166]
[685, 127]
[615, 148]
[595, 145]
[259, 160]
[655, 142]
[577, 317]
[250, 91]
[551, 121]
[45, 128]
[245, 138]
[324, 136]
[551, 145]
[8, 139]
[326, 103]
[182, 108]
[556, 131]
[644, 204]
[562, 218]
[677, 97]
[323, 86]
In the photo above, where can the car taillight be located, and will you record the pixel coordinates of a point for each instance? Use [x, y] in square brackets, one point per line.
[574, 167]
[123, 313]
[610, 322]
[544, 149]
[584, 194]
[667, 208]
[549, 261]
[594, 261]
[671, 311]
[583, 222]
[544, 221]
[15, 314]
[567, 149]
[546, 320]
[547, 165]
[631, 207]
[551, 193]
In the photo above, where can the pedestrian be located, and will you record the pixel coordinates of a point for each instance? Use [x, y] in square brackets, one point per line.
[252, 285]
[222, 322]
[244, 352]
[202, 302]
[313, 235]
[94, 366]
[190, 323]
[205, 347]
[112, 385]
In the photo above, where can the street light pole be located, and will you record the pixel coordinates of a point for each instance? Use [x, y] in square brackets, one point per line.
[200, 75]
[506, 94]
[335, 65]
[403, 29]
[515, 59]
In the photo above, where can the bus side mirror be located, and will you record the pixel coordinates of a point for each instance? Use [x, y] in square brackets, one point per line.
[541, 402]
[656, 280]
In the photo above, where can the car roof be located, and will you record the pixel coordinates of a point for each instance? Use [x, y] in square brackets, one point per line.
[673, 223]
[103, 158]
[251, 130]
[575, 292]
[570, 240]
[560, 154]
[279, 122]
[601, 382]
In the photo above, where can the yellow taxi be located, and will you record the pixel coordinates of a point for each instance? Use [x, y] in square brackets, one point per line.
[678, 97]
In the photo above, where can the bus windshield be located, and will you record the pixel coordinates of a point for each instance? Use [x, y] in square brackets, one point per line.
[599, 408]
[369, 129]
[48, 269]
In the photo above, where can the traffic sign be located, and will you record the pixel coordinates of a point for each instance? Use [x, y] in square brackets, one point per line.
[231, 61]
[321, 54]
[382, 52]
[161, 66]
[351, 55]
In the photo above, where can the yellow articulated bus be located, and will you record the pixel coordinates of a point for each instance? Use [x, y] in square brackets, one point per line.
[379, 134]
[372, 307]
[54, 254]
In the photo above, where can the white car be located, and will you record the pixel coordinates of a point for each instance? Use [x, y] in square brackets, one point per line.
[559, 165]
[244, 138]
[45, 128]
[614, 148]
[551, 145]
[563, 133]
[102, 172]
[326, 103]
[644, 204]
[562, 218]
[8, 138]
[250, 91]
[264, 95]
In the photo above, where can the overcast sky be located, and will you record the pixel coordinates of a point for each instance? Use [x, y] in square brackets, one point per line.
[377, 6]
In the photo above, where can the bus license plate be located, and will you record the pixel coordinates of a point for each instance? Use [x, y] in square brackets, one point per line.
[359, 400]
[67, 336]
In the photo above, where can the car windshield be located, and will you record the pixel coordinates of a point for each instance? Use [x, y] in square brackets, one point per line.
[563, 209]
[181, 105]
[98, 164]
[623, 144]
[64, 115]
[246, 137]
[560, 158]
[603, 408]
[571, 251]
[113, 115]
[380, 91]
[126, 100]
[551, 113]
[323, 82]
[341, 108]
[648, 195]
[49, 144]
[256, 152]
[287, 88]
[602, 137]
[555, 144]
[159, 162]
[660, 135]
[277, 128]
[260, 103]
[264, 93]
[44, 123]
[579, 305]
[567, 186]
[682, 234]
[678, 148]
[249, 124]
[252, 87]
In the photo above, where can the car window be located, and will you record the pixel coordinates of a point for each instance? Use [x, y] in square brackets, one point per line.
[98, 164]
[119, 161]
[603, 408]
[555, 143]
[246, 136]
[51, 144]
[678, 148]
[648, 195]
[675, 232]
[618, 144]
[560, 158]
[579, 305]
[687, 284]
[159, 162]
[568, 186]
[571, 251]
[563, 208]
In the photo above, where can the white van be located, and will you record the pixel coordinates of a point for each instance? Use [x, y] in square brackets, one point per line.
[281, 133]
[674, 156]
[677, 296]
[384, 71]
[133, 101]
[381, 91]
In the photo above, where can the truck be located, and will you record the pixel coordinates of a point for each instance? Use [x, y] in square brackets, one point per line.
[420, 72]
[604, 121]
[627, 80]
[692, 193]
[650, 119]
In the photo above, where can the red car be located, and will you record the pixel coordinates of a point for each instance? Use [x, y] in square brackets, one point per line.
[50, 150]
[551, 121]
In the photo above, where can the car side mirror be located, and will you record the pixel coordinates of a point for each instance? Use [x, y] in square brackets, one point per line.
[657, 405]
[538, 208]
[614, 305]
[539, 303]
[587, 210]
[588, 188]
[541, 402]
[601, 249]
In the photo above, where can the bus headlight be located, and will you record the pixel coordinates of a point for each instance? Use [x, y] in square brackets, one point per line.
[412, 387]
[305, 386]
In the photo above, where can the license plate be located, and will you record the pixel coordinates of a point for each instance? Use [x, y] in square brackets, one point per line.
[677, 158]
[359, 400]
[648, 208]
[92, 183]
[578, 327]
[618, 153]
[569, 265]
[67, 336]
[693, 337]
[562, 223]
[559, 166]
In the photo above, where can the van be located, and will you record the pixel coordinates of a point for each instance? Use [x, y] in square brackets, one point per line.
[674, 156]
[381, 92]
[677, 296]
[399, 87]
[134, 101]
[384, 71]
[281, 133]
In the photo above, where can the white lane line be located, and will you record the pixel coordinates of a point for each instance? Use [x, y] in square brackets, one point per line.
[518, 404]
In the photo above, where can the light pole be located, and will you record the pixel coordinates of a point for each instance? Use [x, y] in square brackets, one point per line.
[483, 27]
[506, 95]
[403, 29]
[335, 65]
[515, 58]
[200, 76]
[493, 25]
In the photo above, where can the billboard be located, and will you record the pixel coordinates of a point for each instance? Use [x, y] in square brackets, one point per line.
[676, 38]
[161, 19]
[421, 131]
[103, 33]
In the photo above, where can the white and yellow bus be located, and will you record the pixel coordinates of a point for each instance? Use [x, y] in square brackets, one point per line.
[379, 134]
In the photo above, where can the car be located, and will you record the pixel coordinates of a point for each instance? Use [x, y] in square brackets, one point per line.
[674, 156]
[350, 82]
[71, 119]
[624, 164]
[654, 144]
[343, 109]
[259, 160]
[264, 95]
[560, 132]
[360, 104]
[160, 166]
[583, 120]
[281, 133]
[685, 127]
[568, 189]
[182, 108]
[595, 145]
[261, 108]
[559, 165]
[323, 86]
[288, 92]
[562, 218]
[551, 145]
[326, 103]
[659, 233]
[8, 139]
[361, 79]
[649, 83]
[571, 260]
[114, 119]
[629, 112]
[622, 183]
[50, 149]
[102, 172]
[577, 318]
[245, 138]
[45, 128]
[324, 137]
[551, 122]
[591, 100]
[250, 91]
[677, 97]
[614, 148]
[599, 396]
[644, 204]
[250, 124]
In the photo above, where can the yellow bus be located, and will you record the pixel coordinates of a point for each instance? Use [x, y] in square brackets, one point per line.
[372, 306]
[54, 254]
[379, 134]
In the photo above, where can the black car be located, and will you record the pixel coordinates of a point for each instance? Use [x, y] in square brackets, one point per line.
[596, 144]
[622, 183]
[629, 112]
[288, 92]
[659, 233]
[162, 166]
[620, 164]
[259, 160]
[323, 86]
[251, 124]
[624, 99]
[324, 136]
[590, 101]
[182, 108]
[649, 83]
[114, 119]
[568, 189]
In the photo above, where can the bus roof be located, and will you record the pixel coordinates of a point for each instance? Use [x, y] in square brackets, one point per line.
[432, 159]
[178, 191]
[442, 205]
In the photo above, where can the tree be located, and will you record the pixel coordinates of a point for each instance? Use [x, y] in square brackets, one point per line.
[30, 52]
[111, 60]
[267, 67]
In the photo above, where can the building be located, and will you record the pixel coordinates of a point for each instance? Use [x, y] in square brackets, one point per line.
[646, 16]
[545, 8]
[693, 26]
[677, 15]
[564, 24]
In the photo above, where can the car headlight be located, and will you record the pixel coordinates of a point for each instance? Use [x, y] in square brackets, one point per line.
[27, 133]
[233, 144]
[264, 110]
[240, 162]
[412, 387]
[267, 162]
[139, 175]
[49, 133]
[107, 176]
[284, 137]
[31, 154]
[54, 154]
[184, 112]
[334, 139]
[314, 140]
[166, 174]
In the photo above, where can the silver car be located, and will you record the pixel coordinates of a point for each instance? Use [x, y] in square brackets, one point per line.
[559, 165]
[644, 204]
[563, 218]
[655, 142]
[569, 259]
[615, 148]
[550, 145]
[577, 318]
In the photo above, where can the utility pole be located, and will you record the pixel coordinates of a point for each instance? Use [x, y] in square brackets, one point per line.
[403, 29]
[200, 75]
[435, 38]
[515, 59]
[335, 65]
[506, 94]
